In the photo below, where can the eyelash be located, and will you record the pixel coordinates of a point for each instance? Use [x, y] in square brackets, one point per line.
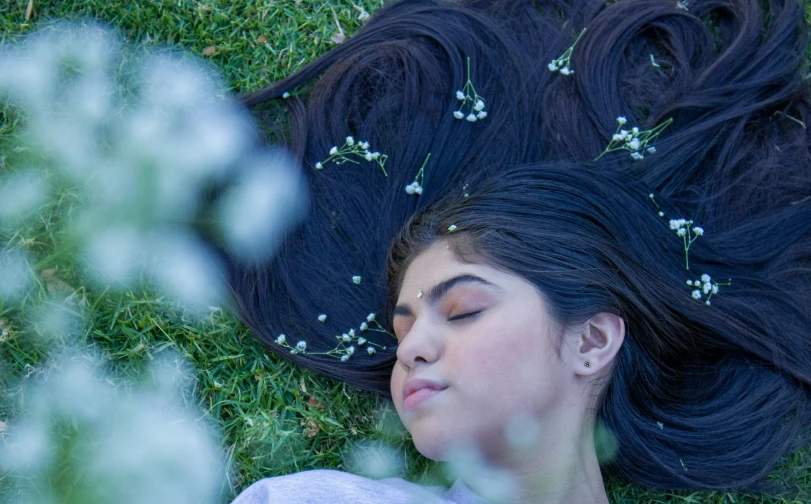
[464, 316]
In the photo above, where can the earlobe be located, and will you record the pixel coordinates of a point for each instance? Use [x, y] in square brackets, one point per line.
[601, 339]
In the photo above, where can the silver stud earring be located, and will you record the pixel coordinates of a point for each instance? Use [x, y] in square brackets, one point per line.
[587, 364]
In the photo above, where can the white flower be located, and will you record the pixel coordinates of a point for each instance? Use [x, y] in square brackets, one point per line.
[370, 350]
[637, 156]
[715, 289]
[361, 341]
[460, 95]
[458, 114]
[356, 279]
[661, 214]
[705, 278]
[350, 140]
[652, 149]
[661, 425]
[364, 145]
[301, 346]
[553, 67]
[280, 339]
[707, 288]
[697, 283]
[410, 188]
[482, 114]
[452, 228]
[623, 134]
[285, 95]
[322, 317]
[479, 106]
[370, 317]
[352, 332]
[333, 151]
[368, 156]
[364, 326]
[698, 231]
[677, 223]
[345, 337]
[690, 283]
[681, 232]
[350, 350]
[707, 302]
[696, 294]
[616, 138]
[318, 165]
[622, 120]
[566, 71]
[375, 155]
[634, 144]
[344, 358]
[635, 131]
[418, 190]
[470, 117]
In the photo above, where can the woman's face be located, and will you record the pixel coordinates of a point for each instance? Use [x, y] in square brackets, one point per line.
[486, 335]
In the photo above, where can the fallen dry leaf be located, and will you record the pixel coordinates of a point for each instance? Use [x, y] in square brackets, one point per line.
[314, 403]
[338, 37]
[262, 39]
[311, 427]
[208, 51]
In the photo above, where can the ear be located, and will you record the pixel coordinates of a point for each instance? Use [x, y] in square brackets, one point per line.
[599, 341]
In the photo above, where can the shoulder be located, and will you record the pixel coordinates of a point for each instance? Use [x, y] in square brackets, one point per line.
[334, 487]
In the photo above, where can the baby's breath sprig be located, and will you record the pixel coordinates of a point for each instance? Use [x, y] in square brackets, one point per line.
[634, 140]
[689, 234]
[349, 148]
[563, 63]
[416, 186]
[346, 342]
[471, 99]
[706, 286]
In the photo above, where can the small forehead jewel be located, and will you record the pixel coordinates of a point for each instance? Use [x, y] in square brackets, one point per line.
[419, 293]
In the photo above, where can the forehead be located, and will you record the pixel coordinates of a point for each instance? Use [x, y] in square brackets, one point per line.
[438, 262]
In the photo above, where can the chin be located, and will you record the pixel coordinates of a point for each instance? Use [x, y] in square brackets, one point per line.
[432, 443]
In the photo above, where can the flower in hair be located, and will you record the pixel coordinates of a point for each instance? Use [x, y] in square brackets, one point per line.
[356, 279]
[683, 4]
[634, 140]
[346, 342]
[353, 148]
[470, 99]
[322, 317]
[452, 228]
[562, 63]
[416, 186]
[706, 286]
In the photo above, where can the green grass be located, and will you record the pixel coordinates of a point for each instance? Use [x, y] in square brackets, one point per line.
[273, 417]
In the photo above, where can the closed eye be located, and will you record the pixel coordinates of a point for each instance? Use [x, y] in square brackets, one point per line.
[464, 316]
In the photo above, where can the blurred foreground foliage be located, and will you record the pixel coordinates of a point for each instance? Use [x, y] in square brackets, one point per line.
[268, 416]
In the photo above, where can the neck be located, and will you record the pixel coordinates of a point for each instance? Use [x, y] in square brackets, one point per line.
[557, 468]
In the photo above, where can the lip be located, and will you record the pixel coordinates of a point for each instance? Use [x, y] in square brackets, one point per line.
[418, 390]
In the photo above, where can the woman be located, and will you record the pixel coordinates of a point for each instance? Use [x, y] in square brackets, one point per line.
[555, 292]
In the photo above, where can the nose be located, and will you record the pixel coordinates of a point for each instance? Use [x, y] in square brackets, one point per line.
[422, 343]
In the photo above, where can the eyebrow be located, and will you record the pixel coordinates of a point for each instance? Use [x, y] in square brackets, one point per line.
[442, 288]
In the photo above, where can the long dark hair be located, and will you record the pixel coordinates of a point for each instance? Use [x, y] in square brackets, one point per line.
[731, 76]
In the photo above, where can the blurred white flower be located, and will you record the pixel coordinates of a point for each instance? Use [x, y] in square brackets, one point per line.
[15, 275]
